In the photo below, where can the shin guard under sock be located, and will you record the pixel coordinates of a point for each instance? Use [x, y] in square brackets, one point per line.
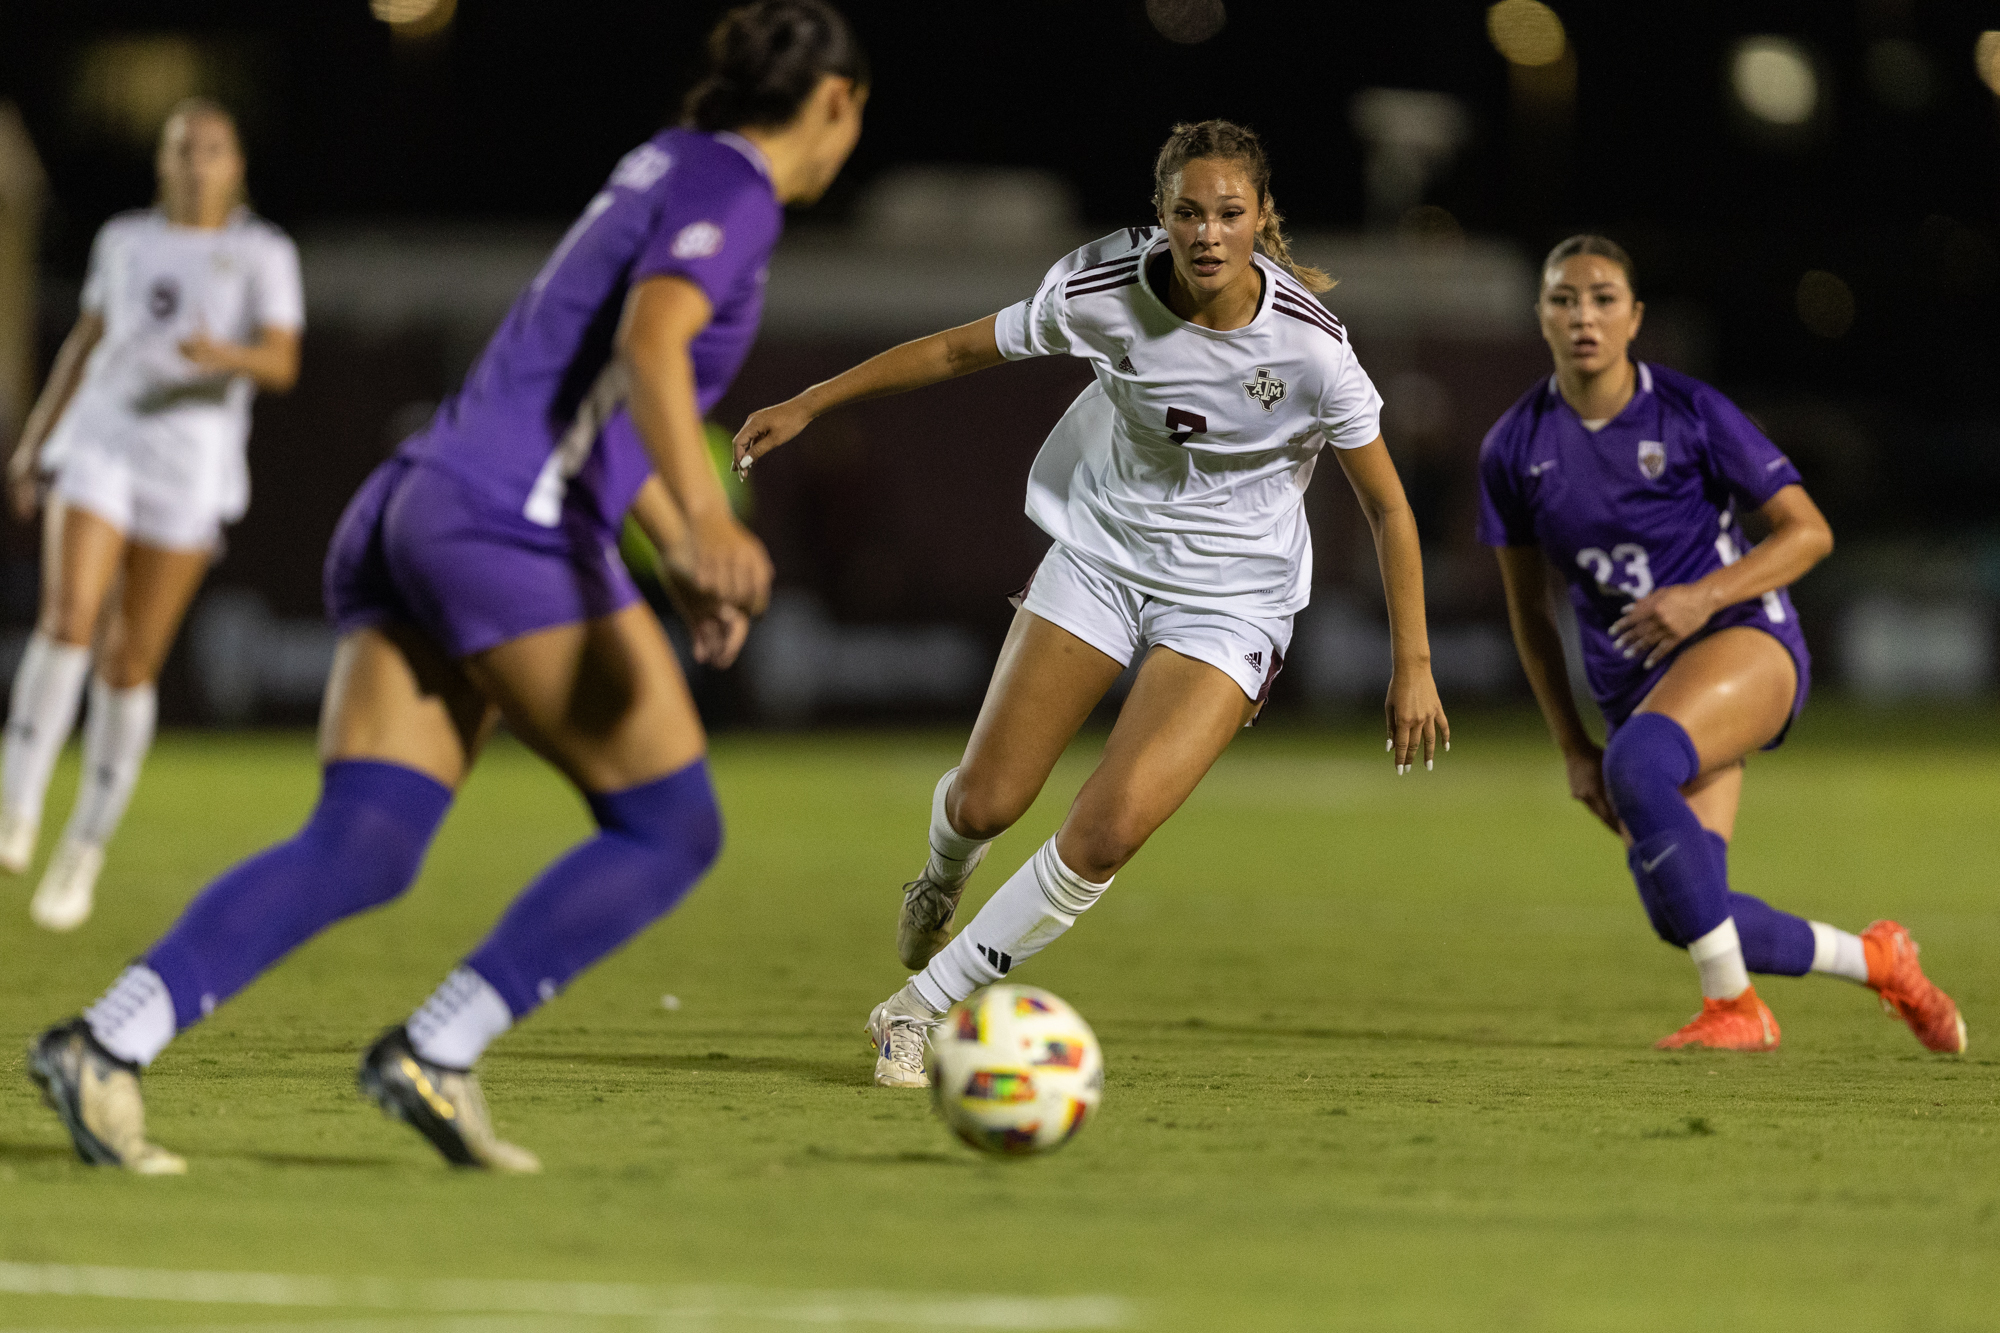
[362, 847]
[1038, 902]
[653, 843]
[1681, 879]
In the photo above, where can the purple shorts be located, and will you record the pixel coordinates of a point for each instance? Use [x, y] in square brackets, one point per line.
[1748, 615]
[420, 545]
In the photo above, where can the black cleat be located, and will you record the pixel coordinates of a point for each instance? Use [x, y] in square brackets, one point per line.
[97, 1096]
[444, 1105]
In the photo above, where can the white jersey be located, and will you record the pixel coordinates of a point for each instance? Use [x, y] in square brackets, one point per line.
[155, 284]
[1182, 471]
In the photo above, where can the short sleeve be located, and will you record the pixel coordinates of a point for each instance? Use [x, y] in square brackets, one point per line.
[711, 237]
[1739, 455]
[1038, 326]
[1350, 413]
[280, 297]
[97, 278]
[1504, 516]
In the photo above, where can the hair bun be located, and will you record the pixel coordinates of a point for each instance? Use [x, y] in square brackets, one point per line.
[765, 59]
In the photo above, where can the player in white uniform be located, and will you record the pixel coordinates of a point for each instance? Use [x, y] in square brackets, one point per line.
[135, 452]
[1173, 488]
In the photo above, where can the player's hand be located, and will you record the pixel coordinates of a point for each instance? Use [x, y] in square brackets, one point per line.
[728, 563]
[1416, 718]
[767, 428]
[1660, 621]
[205, 353]
[1586, 782]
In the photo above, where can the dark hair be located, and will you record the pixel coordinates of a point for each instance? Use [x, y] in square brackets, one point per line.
[1221, 138]
[765, 59]
[1588, 243]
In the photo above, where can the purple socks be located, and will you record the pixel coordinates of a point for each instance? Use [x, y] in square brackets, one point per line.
[362, 847]
[1680, 867]
[653, 843]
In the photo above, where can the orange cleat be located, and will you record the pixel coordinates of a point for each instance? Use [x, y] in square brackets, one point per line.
[1741, 1024]
[1894, 974]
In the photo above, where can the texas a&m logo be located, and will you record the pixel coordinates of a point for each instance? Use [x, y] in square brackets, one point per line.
[1267, 389]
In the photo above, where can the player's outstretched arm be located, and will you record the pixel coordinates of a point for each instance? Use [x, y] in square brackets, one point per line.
[910, 365]
[723, 559]
[272, 361]
[1523, 573]
[1415, 714]
[23, 483]
[1800, 538]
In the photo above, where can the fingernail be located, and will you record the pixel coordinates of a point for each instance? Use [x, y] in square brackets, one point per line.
[1388, 745]
[1447, 747]
[1430, 765]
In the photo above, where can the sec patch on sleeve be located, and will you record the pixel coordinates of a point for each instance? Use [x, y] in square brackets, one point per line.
[697, 240]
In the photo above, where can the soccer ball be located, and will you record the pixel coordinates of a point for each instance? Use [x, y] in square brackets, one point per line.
[1014, 1070]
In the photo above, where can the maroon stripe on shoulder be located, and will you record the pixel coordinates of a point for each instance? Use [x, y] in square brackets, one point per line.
[1128, 280]
[1305, 298]
[1304, 318]
[1314, 311]
[1109, 263]
[1085, 279]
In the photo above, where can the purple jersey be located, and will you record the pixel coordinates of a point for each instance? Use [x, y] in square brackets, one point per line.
[540, 425]
[1650, 500]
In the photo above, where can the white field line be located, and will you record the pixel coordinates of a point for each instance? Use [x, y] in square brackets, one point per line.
[599, 1299]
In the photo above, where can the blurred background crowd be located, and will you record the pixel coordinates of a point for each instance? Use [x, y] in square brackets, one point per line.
[1809, 191]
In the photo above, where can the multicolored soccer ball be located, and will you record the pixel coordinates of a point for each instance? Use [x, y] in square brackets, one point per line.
[1014, 1070]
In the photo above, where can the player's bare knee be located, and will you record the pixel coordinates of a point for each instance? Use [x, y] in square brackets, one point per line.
[1098, 850]
[983, 811]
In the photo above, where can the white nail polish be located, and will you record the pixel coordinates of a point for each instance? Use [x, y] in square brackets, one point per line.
[1430, 765]
[1388, 745]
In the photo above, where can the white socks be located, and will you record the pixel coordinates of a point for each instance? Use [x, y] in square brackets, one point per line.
[1718, 956]
[116, 737]
[455, 1026]
[1041, 901]
[953, 855]
[48, 685]
[135, 1019]
[1838, 953]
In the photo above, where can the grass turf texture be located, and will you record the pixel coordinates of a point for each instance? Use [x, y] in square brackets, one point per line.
[1377, 1052]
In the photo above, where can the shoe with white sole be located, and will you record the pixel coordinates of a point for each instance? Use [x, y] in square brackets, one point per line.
[901, 1027]
[97, 1096]
[69, 886]
[18, 836]
[442, 1104]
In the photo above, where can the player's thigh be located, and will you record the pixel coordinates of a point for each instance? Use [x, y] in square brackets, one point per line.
[395, 697]
[1731, 693]
[81, 553]
[1714, 797]
[1179, 718]
[1044, 687]
[159, 583]
[602, 699]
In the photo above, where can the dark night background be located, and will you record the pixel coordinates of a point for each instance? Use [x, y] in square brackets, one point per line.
[516, 111]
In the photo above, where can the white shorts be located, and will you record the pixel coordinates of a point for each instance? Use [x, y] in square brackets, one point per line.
[1121, 622]
[104, 481]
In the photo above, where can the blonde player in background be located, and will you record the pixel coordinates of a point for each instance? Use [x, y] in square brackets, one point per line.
[1173, 489]
[135, 454]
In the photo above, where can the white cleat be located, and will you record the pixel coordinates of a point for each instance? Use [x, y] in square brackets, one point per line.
[18, 836]
[69, 886]
[97, 1096]
[901, 1027]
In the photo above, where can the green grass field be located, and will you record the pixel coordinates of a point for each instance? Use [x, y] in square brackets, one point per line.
[1378, 1058]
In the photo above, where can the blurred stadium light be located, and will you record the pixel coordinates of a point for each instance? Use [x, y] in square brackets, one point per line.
[1187, 21]
[414, 18]
[1899, 73]
[126, 85]
[1774, 80]
[1825, 303]
[1526, 32]
[1986, 56]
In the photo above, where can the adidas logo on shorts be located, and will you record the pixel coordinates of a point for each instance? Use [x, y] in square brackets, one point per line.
[1125, 366]
[1256, 660]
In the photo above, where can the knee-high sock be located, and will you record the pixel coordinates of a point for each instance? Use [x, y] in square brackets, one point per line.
[1682, 880]
[116, 737]
[653, 842]
[1773, 941]
[362, 847]
[953, 855]
[48, 685]
[1039, 902]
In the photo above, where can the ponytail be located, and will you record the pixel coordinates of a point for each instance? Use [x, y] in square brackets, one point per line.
[766, 58]
[1223, 139]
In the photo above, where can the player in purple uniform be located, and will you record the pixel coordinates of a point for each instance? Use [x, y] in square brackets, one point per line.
[1633, 480]
[474, 577]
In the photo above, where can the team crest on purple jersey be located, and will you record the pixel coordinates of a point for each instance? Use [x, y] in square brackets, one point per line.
[1652, 459]
[1267, 389]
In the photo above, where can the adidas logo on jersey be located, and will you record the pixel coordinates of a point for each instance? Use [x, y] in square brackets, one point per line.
[1266, 390]
[1125, 366]
[1001, 961]
[1256, 660]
